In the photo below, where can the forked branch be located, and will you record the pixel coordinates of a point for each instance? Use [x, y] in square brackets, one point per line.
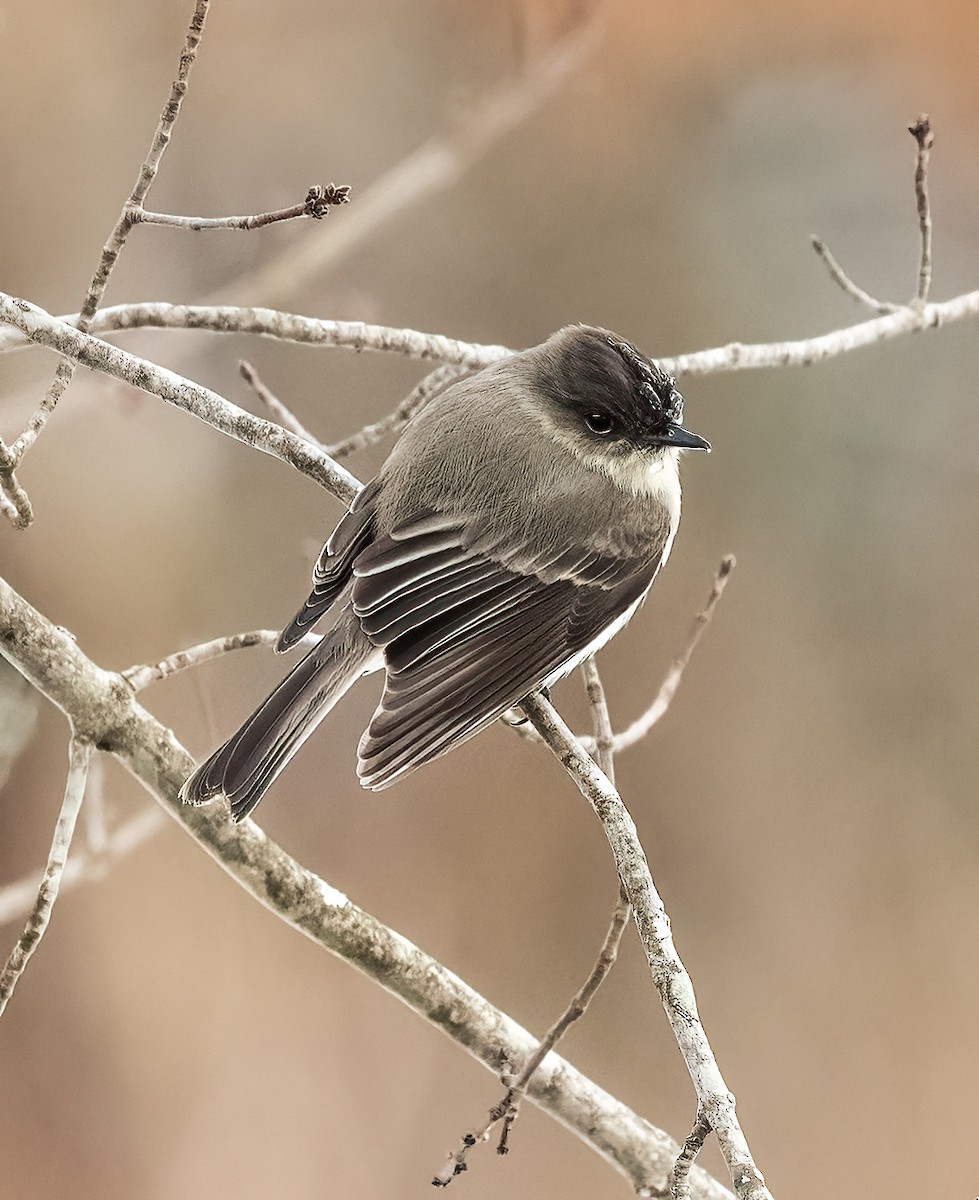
[104, 711]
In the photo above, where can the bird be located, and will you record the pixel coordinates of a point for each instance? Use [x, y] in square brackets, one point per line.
[515, 527]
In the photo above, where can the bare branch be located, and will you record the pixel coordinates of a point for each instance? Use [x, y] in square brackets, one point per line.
[433, 167]
[224, 416]
[79, 755]
[664, 697]
[846, 283]
[287, 327]
[354, 335]
[85, 865]
[738, 356]
[667, 970]
[604, 739]
[508, 1107]
[922, 133]
[117, 238]
[103, 709]
[283, 416]
[139, 677]
[317, 205]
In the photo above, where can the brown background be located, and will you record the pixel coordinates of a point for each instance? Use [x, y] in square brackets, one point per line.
[809, 806]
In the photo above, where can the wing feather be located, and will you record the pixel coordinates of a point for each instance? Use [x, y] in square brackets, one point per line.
[334, 566]
[466, 636]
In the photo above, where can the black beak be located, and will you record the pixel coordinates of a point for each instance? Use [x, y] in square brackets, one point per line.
[683, 439]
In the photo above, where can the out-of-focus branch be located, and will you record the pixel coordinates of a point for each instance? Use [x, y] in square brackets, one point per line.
[714, 1098]
[104, 711]
[79, 758]
[433, 167]
[86, 865]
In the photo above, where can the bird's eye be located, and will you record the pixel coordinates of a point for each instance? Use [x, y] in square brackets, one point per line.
[600, 422]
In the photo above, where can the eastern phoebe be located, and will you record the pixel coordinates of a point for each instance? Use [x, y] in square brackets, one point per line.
[516, 526]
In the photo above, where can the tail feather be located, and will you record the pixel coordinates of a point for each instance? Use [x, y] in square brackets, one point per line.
[248, 763]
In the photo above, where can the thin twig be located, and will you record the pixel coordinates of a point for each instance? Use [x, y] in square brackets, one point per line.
[354, 335]
[120, 231]
[605, 747]
[281, 415]
[103, 708]
[664, 697]
[692, 1146]
[84, 866]
[922, 133]
[608, 953]
[319, 200]
[666, 968]
[139, 677]
[281, 326]
[507, 1109]
[79, 757]
[846, 283]
[394, 422]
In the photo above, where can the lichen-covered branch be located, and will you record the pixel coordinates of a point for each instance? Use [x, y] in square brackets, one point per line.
[282, 326]
[805, 352]
[354, 335]
[103, 710]
[174, 389]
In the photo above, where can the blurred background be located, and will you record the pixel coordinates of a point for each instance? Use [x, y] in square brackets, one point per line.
[809, 804]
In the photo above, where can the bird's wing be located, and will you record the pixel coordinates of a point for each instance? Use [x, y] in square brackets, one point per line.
[334, 566]
[466, 637]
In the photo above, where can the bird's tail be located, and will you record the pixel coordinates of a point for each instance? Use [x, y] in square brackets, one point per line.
[247, 764]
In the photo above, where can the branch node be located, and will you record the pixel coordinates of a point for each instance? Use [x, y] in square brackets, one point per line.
[321, 198]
